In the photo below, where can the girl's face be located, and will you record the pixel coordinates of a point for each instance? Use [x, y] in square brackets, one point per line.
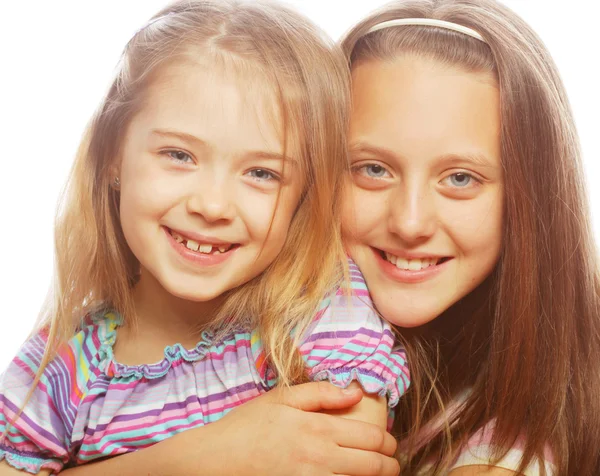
[206, 194]
[423, 215]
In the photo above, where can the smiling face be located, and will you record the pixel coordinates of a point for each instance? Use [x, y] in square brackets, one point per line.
[423, 215]
[206, 196]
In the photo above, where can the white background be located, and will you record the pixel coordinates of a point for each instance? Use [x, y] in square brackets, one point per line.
[57, 59]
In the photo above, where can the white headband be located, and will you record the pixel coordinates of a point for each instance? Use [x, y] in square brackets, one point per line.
[427, 22]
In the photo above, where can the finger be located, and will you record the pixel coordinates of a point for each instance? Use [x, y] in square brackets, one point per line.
[363, 463]
[355, 434]
[316, 396]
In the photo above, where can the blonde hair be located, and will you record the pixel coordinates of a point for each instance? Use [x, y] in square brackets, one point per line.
[94, 265]
[525, 345]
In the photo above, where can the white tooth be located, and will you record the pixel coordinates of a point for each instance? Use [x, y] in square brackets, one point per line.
[414, 264]
[217, 252]
[205, 248]
[192, 245]
[394, 259]
[222, 249]
[401, 263]
[425, 263]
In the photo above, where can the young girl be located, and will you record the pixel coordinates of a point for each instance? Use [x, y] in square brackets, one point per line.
[468, 217]
[201, 204]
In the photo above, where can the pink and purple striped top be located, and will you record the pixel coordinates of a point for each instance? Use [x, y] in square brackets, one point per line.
[88, 406]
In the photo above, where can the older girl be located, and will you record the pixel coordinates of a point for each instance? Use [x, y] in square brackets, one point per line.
[468, 217]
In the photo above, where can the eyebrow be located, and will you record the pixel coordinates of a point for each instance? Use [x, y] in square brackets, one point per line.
[190, 138]
[179, 135]
[361, 147]
[261, 155]
[479, 160]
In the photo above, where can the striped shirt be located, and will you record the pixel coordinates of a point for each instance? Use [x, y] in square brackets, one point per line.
[89, 406]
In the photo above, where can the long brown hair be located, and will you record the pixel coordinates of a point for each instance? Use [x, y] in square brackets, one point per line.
[524, 347]
[308, 74]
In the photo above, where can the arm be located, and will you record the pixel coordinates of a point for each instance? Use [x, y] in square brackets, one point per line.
[32, 431]
[153, 461]
[348, 344]
[278, 438]
[371, 409]
[156, 460]
[282, 434]
[160, 459]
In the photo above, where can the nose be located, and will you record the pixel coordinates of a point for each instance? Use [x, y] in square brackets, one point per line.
[212, 199]
[412, 213]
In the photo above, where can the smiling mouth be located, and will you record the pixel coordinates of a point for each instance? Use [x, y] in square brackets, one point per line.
[202, 248]
[416, 264]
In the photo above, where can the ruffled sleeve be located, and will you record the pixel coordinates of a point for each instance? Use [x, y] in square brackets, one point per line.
[348, 341]
[38, 438]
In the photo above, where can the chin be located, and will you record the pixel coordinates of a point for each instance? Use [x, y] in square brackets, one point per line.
[198, 293]
[405, 316]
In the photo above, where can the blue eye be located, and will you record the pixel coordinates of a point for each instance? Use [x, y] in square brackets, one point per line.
[263, 175]
[460, 179]
[372, 170]
[375, 170]
[179, 156]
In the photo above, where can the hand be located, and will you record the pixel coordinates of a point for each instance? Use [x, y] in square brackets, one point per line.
[282, 433]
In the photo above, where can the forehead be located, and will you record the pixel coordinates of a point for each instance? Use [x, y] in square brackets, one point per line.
[423, 108]
[214, 104]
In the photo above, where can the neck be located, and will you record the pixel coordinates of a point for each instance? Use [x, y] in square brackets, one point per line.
[163, 314]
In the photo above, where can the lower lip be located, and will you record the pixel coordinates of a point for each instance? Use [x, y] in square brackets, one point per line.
[406, 275]
[202, 259]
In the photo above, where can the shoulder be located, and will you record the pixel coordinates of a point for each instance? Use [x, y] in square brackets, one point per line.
[480, 470]
[349, 307]
[348, 340]
[72, 361]
[480, 452]
[346, 315]
[37, 422]
[357, 281]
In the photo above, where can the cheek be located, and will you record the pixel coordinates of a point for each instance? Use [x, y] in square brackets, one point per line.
[145, 187]
[476, 227]
[132, 204]
[268, 218]
[362, 212]
[148, 199]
